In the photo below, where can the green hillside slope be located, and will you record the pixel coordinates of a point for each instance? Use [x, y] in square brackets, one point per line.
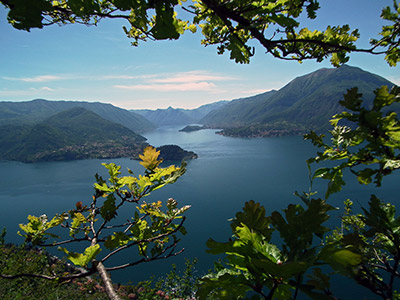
[237, 112]
[31, 112]
[307, 102]
[73, 134]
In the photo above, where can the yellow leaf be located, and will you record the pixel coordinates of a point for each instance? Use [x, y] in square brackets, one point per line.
[143, 182]
[162, 172]
[150, 158]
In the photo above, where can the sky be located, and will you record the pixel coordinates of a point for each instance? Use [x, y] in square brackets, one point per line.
[98, 63]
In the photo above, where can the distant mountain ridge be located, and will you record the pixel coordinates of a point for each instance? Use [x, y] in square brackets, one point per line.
[178, 116]
[76, 133]
[31, 112]
[307, 102]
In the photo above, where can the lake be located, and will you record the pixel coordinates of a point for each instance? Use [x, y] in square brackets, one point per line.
[228, 172]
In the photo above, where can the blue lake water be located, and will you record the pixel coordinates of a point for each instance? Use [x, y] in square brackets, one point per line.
[228, 172]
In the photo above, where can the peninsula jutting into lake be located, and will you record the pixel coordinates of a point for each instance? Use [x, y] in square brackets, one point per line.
[190, 128]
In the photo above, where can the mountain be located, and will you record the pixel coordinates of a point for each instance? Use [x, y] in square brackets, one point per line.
[31, 112]
[178, 116]
[76, 133]
[307, 102]
[237, 112]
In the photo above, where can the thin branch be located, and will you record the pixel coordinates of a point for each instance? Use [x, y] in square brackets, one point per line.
[134, 223]
[371, 281]
[147, 259]
[189, 11]
[143, 241]
[27, 275]
[127, 223]
[386, 265]
[393, 274]
[110, 16]
[299, 278]
[272, 291]
[64, 242]
[60, 278]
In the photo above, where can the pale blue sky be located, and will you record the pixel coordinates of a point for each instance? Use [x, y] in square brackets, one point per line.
[76, 62]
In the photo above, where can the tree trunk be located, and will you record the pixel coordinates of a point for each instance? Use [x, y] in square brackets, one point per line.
[105, 277]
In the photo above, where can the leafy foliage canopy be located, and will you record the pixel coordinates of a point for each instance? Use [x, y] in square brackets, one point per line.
[231, 25]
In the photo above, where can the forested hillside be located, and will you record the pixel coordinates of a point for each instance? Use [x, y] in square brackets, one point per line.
[76, 133]
[34, 111]
[236, 113]
[306, 103]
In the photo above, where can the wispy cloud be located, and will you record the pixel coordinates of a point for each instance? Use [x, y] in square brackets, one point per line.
[41, 78]
[167, 78]
[171, 87]
[122, 77]
[46, 88]
[178, 82]
[26, 92]
[126, 77]
[192, 76]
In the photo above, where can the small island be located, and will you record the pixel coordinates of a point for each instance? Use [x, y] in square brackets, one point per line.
[175, 153]
[190, 128]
